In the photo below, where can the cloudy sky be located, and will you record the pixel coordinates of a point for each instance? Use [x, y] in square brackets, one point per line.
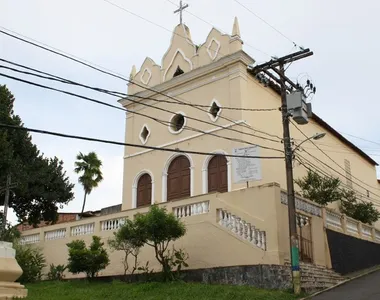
[342, 34]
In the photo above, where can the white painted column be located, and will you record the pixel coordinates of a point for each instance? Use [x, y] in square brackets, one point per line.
[204, 181]
[191, 181]
[229, 176]
[152, 197]
[134, 196]
[164, 187]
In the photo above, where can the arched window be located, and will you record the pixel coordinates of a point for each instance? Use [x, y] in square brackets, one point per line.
[178, 181]
[217, 174]
[144, 190]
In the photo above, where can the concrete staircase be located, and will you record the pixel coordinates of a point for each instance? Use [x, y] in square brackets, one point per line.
[316, 278]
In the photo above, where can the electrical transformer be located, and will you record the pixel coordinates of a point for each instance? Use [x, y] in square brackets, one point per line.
[297, 106]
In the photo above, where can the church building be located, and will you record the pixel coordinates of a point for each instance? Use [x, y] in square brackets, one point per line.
[205, 102]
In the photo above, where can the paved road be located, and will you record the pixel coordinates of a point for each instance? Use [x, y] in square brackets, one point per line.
[364, 288]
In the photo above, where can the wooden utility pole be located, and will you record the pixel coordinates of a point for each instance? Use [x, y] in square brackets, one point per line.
[275, 69]
[6, 202]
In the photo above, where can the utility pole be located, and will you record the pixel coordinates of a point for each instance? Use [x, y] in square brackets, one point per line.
[294, 247]
[275, 70]
[6, 202]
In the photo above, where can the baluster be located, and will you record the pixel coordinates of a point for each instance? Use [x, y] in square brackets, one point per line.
[207, 205]
[187, 210]
[220, 215]
[264, 239]
[259, 240]
[233, 222]
[245, 230]
[203, 205]
[238, 226]
[229, 220]
[254, 240]
[225, 218]
[249, 232]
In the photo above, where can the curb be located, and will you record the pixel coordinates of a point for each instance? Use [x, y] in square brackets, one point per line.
[341, 283]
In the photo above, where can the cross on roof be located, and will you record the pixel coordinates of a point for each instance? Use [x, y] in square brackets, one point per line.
[180, 9]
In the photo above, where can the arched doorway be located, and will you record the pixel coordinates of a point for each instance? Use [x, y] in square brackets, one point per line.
[217, 174]
[144, 190]
[178, 182]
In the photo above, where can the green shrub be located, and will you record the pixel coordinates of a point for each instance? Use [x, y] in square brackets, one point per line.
[127, 239]
[31, 261]
[56, 272]
[157, 229]
[88, 260]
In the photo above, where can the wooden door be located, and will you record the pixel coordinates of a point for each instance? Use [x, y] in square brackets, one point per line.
[178, 178]
[217, 174]
[144, 190]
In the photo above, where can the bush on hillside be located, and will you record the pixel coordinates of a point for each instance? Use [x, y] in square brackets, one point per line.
[127, 239]
[88, 260]
[56, 272]
[31, 261]
[157, 229]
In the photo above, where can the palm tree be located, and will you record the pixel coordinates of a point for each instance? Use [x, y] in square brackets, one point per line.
[89, 166]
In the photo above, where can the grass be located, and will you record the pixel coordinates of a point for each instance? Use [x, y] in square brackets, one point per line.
[82, 290]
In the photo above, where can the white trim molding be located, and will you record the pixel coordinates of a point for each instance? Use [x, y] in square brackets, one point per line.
[184, 122]
[149, 76]
[165, 174]
[173, 58]
[135, 184]
[214, 119]
[216, 52]
[147, 137]
[205, 171]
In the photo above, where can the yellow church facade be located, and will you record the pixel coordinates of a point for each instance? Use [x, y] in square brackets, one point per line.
[204, 98]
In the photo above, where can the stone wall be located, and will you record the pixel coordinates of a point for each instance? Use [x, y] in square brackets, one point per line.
[260, 276]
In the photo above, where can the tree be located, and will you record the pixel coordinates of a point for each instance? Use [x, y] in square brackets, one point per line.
[32, 261]
[88, 260]
[41, 184]
[365, 212]
[320, 189]
[157, 229]
[325, 190]
[11, 234]
[127, 239]
[89, 165]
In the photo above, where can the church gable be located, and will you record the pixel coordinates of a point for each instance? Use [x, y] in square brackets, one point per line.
[215, 47]
[184, 56]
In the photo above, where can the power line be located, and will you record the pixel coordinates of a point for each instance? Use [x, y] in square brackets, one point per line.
[128, 144]
[162, 122]
[314, 168]
[186, 38]
[223, 32]
[118, 94]
[377, 143]
[329, 157]
[271, 26]
[142, 103]
[130, 81]
[344, 176]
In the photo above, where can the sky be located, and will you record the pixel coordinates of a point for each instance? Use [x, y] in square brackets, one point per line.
[342, 35]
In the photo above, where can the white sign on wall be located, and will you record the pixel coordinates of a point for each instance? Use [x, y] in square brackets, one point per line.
[246, 169]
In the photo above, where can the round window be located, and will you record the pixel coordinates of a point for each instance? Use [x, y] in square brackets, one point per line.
[177, 123]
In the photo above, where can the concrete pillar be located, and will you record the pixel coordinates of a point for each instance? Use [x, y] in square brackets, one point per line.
[10, 271]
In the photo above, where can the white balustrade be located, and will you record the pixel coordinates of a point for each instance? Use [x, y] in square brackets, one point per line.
[377, 235]
[367, 231]
[30, 239]
[112, 224]
[55, 234]
[82, 229]
[242, 229]
[333, 219]
[352, 226]
[192, 209]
